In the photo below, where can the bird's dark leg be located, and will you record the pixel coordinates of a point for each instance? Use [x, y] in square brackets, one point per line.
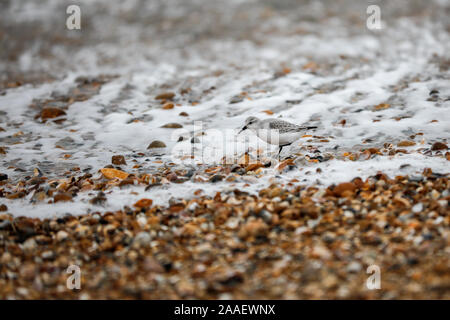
[281, 147]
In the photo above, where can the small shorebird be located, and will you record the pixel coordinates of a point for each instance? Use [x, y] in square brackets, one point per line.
[275, 131]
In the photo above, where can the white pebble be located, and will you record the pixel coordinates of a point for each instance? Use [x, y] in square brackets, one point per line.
[61, 235]
[142, 221]
[418, 207]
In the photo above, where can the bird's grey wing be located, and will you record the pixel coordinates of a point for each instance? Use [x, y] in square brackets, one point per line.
[284, 126]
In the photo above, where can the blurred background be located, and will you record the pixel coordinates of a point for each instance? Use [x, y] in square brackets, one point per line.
[135, 34]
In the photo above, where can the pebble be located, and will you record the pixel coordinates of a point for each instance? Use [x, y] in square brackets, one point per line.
[47, 255]
[321, 252]
[232, 223]
[216, 178]
[142, 221]
[344, 188]
[354, 267]
[418, 207]
[439, 146]
[168, 106]
[61, 235]
[165, 96]
[266, 216]
[118, 160]
[152, 265]
[29, 244]
[142, 239]
[435, 194]
[236, 99]
[156, 144]
[50, 113]
[143, 203]
[62, 196]
[172, 125]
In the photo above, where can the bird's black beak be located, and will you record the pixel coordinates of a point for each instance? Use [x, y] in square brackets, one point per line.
[244, 128]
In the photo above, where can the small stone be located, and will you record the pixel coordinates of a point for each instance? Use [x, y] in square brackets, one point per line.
[156, 144]
[172, 125]
[216, 178]
[3, 207]
[345, 187]
[225, 296]
[184, 114]
[118, 160]
[232, 223]
[381, 106]
[266, 216]
[253, 228]
[47, 255]
[236, 99]
[354, 267]
[61, 235]
[3, 176]
[62, 196]
[142, 221]
[435, 194]
[192, 206]
[128, 181]
[328, 237]
[416, 179]
[110, 173]
[81, 230]
[185, 288]
[142, 239]
[439, 146]
[321, 252]
[349, 214]
[433, 92]
[418, 207]
[165, 96]
[254, 166]
[143, 203]
[443, 203]
[168, 106]
[29, 244]
[172, 177]
[50, 113]
[152, 265]
[406, 143]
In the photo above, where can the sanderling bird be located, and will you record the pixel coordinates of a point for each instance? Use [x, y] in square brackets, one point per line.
[275, 131]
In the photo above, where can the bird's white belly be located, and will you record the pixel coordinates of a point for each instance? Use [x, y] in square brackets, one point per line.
[274, 137]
